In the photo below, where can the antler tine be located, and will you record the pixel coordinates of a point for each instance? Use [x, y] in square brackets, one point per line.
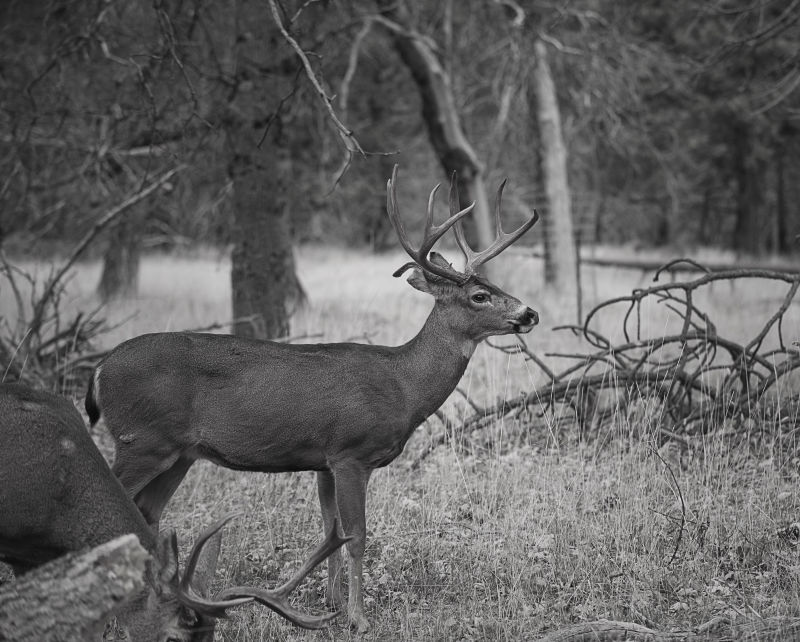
[428, 237]
[187, 595]
[432, 232]
[498, 225]
[475, 260]
[277, 599]
[459, 229]
[394, 214]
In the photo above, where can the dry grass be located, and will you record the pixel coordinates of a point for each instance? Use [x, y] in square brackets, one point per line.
[525, 533]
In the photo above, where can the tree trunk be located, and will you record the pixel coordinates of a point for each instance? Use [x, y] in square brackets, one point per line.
[560, 256]
[264, 284]
[262, 271]
[749, 174]
[450, 143]
[120, 276]
[782, 242]
[71, 598]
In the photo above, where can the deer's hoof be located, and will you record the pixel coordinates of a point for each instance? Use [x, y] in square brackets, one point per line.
[334, 601]
[359, 622]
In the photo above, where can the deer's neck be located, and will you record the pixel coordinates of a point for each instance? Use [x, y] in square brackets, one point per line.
[434, 362]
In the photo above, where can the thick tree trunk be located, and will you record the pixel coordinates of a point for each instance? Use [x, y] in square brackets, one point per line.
[449, 142]
[264, 283]
[120, 276]
[559, 262]
[262, 272]
[70, 599]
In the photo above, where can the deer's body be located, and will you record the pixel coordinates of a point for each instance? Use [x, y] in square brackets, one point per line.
[58, 495]
[73, 501]
[339, 409]
[265, 406]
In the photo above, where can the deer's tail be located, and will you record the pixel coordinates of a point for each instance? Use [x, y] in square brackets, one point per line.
[91, 402]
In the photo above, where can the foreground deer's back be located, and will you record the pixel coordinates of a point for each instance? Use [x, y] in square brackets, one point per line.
[255, 405]
[57, 493]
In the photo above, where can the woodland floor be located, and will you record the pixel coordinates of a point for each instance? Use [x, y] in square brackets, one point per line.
[528, 529]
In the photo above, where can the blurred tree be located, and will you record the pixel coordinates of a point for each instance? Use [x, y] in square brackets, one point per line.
[441, 116]
[560, 266]
[679, 120]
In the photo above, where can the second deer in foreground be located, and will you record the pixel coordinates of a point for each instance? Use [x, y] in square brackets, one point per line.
[57, 495]
[341, 409]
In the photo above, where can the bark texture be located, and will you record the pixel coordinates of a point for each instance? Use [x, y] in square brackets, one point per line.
[120, 277]
[559, 262]
[262, 271]
[264, 282]
[752, 212]
[71, 598]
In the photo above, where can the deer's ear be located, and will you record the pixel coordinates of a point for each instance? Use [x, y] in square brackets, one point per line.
[419, 282]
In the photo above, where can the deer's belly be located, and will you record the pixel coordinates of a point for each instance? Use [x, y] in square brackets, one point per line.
[259, 450]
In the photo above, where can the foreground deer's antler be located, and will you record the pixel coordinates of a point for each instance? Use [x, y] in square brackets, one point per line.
[45, 443]
[230, 597]
[185, 593]
[277, 599]
[433, 233]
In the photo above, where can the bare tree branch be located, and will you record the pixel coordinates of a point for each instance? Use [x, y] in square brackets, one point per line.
[351, 144]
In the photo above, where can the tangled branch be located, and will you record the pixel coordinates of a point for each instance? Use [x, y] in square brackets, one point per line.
[700, 377]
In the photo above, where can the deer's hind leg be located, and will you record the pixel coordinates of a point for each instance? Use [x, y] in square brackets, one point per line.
[150, 480]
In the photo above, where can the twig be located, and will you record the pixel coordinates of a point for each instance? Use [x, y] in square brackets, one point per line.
[108, 217]
[683, 506]
[351, 144]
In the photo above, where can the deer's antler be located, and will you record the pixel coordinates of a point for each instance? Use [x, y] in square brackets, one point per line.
[432, 232]
[502, 240]
[277, 599]
[186, 594]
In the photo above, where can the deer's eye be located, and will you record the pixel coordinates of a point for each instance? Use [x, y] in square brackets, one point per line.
[480, 297]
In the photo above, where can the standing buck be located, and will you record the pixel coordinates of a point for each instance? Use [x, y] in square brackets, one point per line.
[341, 409]
[58, 495]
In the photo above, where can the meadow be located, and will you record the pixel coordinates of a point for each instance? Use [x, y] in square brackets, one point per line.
[523, 531]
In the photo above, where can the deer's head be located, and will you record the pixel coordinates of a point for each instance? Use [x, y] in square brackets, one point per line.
[482, 309]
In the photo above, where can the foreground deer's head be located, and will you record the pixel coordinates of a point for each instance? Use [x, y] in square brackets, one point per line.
[177, 608]
[487, 310]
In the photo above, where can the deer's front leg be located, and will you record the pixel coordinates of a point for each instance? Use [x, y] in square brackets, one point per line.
[351, 493]
[326, 489]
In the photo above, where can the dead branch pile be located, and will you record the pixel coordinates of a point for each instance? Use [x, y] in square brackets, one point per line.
[700, 377]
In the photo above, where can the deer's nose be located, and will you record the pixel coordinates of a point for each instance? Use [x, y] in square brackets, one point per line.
[531, 316]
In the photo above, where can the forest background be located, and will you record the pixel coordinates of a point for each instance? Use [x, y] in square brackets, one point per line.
[188, 164]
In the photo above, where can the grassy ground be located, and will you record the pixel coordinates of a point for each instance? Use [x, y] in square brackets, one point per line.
[527, 532]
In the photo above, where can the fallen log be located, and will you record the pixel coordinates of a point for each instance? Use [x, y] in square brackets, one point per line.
[71, 598]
